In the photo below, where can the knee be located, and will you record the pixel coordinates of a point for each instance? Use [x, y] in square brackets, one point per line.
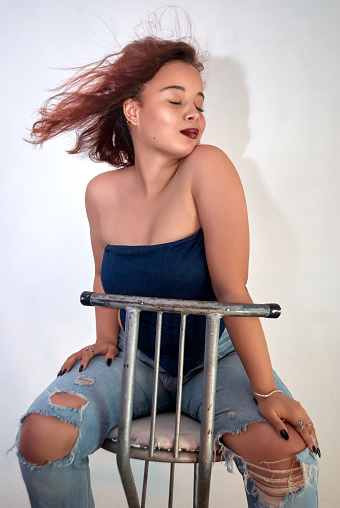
[262, 443]
[46, 438]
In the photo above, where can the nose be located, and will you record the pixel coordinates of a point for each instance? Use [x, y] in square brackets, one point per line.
[193, 115]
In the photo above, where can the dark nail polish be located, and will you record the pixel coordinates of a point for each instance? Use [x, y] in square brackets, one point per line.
[314, 450]
[284, 434]
[81, 367]
[318, 452]
[62, 372]
[59, 373]
[108, 362]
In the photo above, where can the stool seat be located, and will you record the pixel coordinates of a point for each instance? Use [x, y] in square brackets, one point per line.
[189, 436]
[189, 439]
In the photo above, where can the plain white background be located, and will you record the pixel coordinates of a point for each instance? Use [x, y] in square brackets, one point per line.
[273, 106]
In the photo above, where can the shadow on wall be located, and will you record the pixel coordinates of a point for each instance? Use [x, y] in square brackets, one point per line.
[274, 259]
[273, 250]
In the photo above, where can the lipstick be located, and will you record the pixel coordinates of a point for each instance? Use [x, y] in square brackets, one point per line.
[190, 133]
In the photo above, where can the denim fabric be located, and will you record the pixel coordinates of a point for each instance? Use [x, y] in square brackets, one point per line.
[307, 497]
[66, 482]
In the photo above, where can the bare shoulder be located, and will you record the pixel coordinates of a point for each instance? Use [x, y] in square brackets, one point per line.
[102, 187]
[208, 151]
[208, 158]
[99, 183]
[209, 163]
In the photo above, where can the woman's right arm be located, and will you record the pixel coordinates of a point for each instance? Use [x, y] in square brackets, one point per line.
[107, 323]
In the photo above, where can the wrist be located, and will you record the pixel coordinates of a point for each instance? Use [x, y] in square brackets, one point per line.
[110, 340]
[263, 396]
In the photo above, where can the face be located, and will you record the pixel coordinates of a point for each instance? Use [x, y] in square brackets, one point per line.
[170, 117]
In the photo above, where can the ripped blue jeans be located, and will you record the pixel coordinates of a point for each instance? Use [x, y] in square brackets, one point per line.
[65, 483]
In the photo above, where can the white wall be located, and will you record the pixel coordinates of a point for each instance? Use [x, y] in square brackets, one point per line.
[273, 106]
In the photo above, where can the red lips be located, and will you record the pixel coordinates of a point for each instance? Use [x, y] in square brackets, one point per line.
[190, 133]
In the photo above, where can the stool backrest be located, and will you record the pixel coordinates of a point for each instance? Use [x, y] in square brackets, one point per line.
[213, 311]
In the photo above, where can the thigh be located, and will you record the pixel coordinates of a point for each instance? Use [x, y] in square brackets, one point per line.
[100, 386]
[234, 405]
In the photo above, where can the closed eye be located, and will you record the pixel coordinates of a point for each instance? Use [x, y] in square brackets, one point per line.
[179, 103]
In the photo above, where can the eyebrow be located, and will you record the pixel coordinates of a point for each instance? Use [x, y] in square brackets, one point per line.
[177, 87]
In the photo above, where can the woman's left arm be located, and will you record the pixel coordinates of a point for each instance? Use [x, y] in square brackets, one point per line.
[220, 201]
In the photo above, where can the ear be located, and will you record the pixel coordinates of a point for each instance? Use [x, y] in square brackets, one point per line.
[130, 108]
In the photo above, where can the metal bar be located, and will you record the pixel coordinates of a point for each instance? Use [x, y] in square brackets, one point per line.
[145, 483]
[179, 384]
[89, 298]
[194, 504]
[171, 484]
[155, 383]
[126, 407]
[208, 409]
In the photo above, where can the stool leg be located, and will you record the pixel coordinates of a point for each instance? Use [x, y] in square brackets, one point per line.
[126, 408]
[171, 485]
[195, 485]
[208, 409]
[145, 483]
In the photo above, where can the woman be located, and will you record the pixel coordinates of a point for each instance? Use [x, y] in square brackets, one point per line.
[173, 209]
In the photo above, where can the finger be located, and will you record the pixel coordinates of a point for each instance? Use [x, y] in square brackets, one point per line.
[69, 363]
[278, 425]
[312, 432]
[84, 355]
[111, 355]
[88, 353]
[306, 430]
[299, 419]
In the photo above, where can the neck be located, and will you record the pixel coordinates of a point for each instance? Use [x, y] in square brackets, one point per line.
[153, 172]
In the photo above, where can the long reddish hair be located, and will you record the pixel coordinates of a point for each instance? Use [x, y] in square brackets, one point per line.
[91, 102]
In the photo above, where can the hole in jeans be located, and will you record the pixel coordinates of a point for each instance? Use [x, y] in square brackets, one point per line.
[64, 399]
[84, 380]
[273, 480]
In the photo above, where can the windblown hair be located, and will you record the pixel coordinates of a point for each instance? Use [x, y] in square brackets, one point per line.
[91, 102]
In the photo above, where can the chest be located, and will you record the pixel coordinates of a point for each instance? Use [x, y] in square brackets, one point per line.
[131, 218]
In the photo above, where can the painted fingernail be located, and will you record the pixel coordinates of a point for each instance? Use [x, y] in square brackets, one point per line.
[318, 452]
[314, 450]
[108, 362]
[62, 372]
[284, 434]
[59, 373]
[81, 367]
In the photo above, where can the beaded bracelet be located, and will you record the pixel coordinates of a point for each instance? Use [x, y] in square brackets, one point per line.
[268, 394]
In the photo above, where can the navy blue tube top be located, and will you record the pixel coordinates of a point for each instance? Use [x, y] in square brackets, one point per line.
[169, 270]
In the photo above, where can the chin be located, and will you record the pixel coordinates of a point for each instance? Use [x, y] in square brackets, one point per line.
[190, 151]
[185, 152]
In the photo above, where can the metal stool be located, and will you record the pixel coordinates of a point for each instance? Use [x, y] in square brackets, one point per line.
[130, 439]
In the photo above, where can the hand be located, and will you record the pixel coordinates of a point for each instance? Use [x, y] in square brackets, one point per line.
[86, 354]
[278, 408]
